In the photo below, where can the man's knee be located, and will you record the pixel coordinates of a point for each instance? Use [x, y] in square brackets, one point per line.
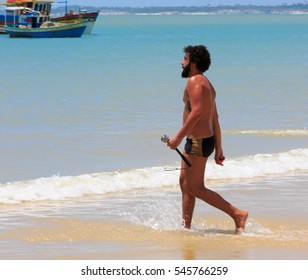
[182, 180]
[199, 191]
[183, 184]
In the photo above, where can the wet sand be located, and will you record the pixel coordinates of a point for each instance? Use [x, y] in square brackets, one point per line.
[77, 239]
[146, 224]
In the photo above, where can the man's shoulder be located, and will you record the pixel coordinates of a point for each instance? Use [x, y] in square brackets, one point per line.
[198, 80]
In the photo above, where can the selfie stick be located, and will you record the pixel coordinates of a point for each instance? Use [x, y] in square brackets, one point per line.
[165, 139]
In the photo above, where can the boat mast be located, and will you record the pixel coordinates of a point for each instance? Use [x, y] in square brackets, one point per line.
[65, 5]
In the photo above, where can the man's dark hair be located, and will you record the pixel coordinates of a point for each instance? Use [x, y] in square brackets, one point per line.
[199, 55]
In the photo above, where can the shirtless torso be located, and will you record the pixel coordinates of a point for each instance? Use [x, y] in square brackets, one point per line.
[206, 100]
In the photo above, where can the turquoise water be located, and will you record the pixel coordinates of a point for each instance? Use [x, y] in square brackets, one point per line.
[82, 170]
[101, 102]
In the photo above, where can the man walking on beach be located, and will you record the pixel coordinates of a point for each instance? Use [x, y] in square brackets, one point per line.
[202, 129]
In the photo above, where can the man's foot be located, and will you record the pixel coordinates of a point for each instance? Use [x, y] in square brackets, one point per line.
[240, 221]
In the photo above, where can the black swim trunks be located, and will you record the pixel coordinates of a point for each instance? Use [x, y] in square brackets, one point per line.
[202, 147]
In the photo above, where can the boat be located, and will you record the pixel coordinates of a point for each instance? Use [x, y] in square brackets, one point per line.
[21, 21]
[82, 14]
[44, 8]
[48, 30]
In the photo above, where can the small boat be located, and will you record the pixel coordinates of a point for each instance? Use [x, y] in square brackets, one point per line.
[26, 22]
[83, 14]
[48, 30]
[33, 13]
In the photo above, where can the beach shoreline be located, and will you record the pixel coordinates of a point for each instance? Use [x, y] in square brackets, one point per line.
[145, 224]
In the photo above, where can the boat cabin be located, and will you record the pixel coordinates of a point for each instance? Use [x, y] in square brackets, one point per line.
[31, 14]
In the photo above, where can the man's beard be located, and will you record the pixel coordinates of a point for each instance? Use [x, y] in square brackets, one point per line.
[186, 71]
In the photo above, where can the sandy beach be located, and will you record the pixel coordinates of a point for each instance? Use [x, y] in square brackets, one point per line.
[146, 224]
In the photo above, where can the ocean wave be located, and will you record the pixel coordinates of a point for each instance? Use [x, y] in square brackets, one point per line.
[66, 187]
[262, 165]
[271, 132]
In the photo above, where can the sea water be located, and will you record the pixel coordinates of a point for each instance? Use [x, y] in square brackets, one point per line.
[81, 119]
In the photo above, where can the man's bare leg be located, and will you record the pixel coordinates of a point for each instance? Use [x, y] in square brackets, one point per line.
[239, 216]
[188, 205]
[188, 201]
[192, 184]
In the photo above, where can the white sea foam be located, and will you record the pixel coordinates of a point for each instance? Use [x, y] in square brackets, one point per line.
[261, 165]
[272, 132]
[65, 187]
